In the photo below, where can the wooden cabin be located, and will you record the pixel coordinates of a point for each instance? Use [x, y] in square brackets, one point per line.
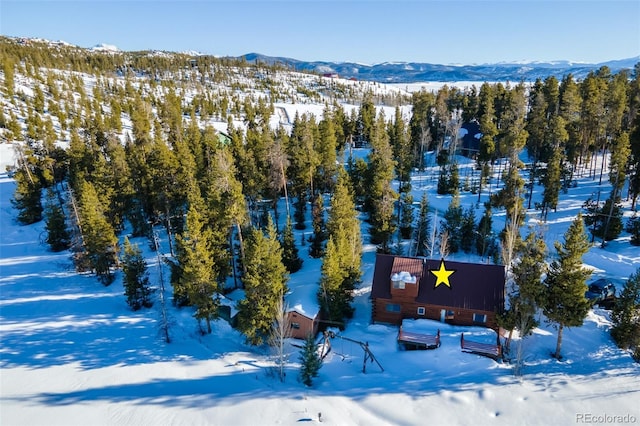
[457, 293]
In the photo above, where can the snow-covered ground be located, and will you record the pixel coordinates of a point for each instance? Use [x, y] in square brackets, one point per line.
[72, 353]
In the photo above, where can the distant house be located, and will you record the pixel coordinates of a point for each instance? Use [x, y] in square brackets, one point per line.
[452, 292]
[470, 136]
[224, 138]
[330, 74]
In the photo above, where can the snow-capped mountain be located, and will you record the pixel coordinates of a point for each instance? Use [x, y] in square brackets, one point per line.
[410, 72]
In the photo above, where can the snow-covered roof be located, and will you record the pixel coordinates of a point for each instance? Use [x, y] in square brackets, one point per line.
[403, 276]
[302, 298]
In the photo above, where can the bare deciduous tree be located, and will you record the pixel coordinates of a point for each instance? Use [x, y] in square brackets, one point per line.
[280, 332]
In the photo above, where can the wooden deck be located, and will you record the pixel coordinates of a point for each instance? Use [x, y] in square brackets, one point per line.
[413, 340]
[485, 349]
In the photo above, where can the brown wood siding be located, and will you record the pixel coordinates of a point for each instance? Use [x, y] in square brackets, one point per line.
[409, 309]
[307, 325]
[380, 313]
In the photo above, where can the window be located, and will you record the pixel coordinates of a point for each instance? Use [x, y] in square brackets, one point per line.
[449, 315]
[295, 325]
[479, 318]
[398, 284]
[421, 310]
[392, 307]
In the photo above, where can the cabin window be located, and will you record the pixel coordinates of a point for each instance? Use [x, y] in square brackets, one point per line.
[449, 315]
[393, 307]
[295, 325]
[398, 284]
[479, 318]
[421, 310]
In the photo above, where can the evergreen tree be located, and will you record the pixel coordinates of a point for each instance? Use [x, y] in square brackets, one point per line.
[489, 131]
[194, 283]
[467, 230]
[452, 224]
[527, 296]
[633, 227]
[399, 140]
[335, 300]
[9, 79]
[484, 236]
[367, 118]
[326, 146]
[310, 361]
[58, 236]
[136, 278]
[551, 182]
[422, 233]
[342, 256]
[27, 195]
[100, 241]
[406, 215]
[604, 221]
[422, 105]
[264, 283]
[290, 257]
[319, 232]
[565, 285]
[625, 316]
[380, 197]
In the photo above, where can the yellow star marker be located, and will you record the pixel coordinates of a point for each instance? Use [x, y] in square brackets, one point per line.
[442, 275]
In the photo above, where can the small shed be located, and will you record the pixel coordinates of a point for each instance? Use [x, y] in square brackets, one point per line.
[303, 311]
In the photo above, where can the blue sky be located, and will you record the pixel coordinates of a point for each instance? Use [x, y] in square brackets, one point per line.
[372, 31]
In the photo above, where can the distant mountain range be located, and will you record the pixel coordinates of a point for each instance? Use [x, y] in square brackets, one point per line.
[414, 72]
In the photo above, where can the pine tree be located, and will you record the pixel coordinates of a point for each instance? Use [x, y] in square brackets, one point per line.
[290, 257]
[264, 283]
[319, 232]
[367, 117]
[552, 183]
[27, 195]
[406, 216]
[136, 278]
[58, 236]
[342, 256]
[100, 241]
[625, 316]
[310, 361]
[484, 235]
[194, 282]
[467, 230]
[452, 224]
[422, 233]
[489, 131]
[565, 285]
[527, 296]
[380, 199]
[399, 140]
[633, 227]
[327, 144]
[333, 298]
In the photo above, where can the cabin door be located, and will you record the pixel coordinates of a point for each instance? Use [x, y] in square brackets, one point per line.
[443, 312]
